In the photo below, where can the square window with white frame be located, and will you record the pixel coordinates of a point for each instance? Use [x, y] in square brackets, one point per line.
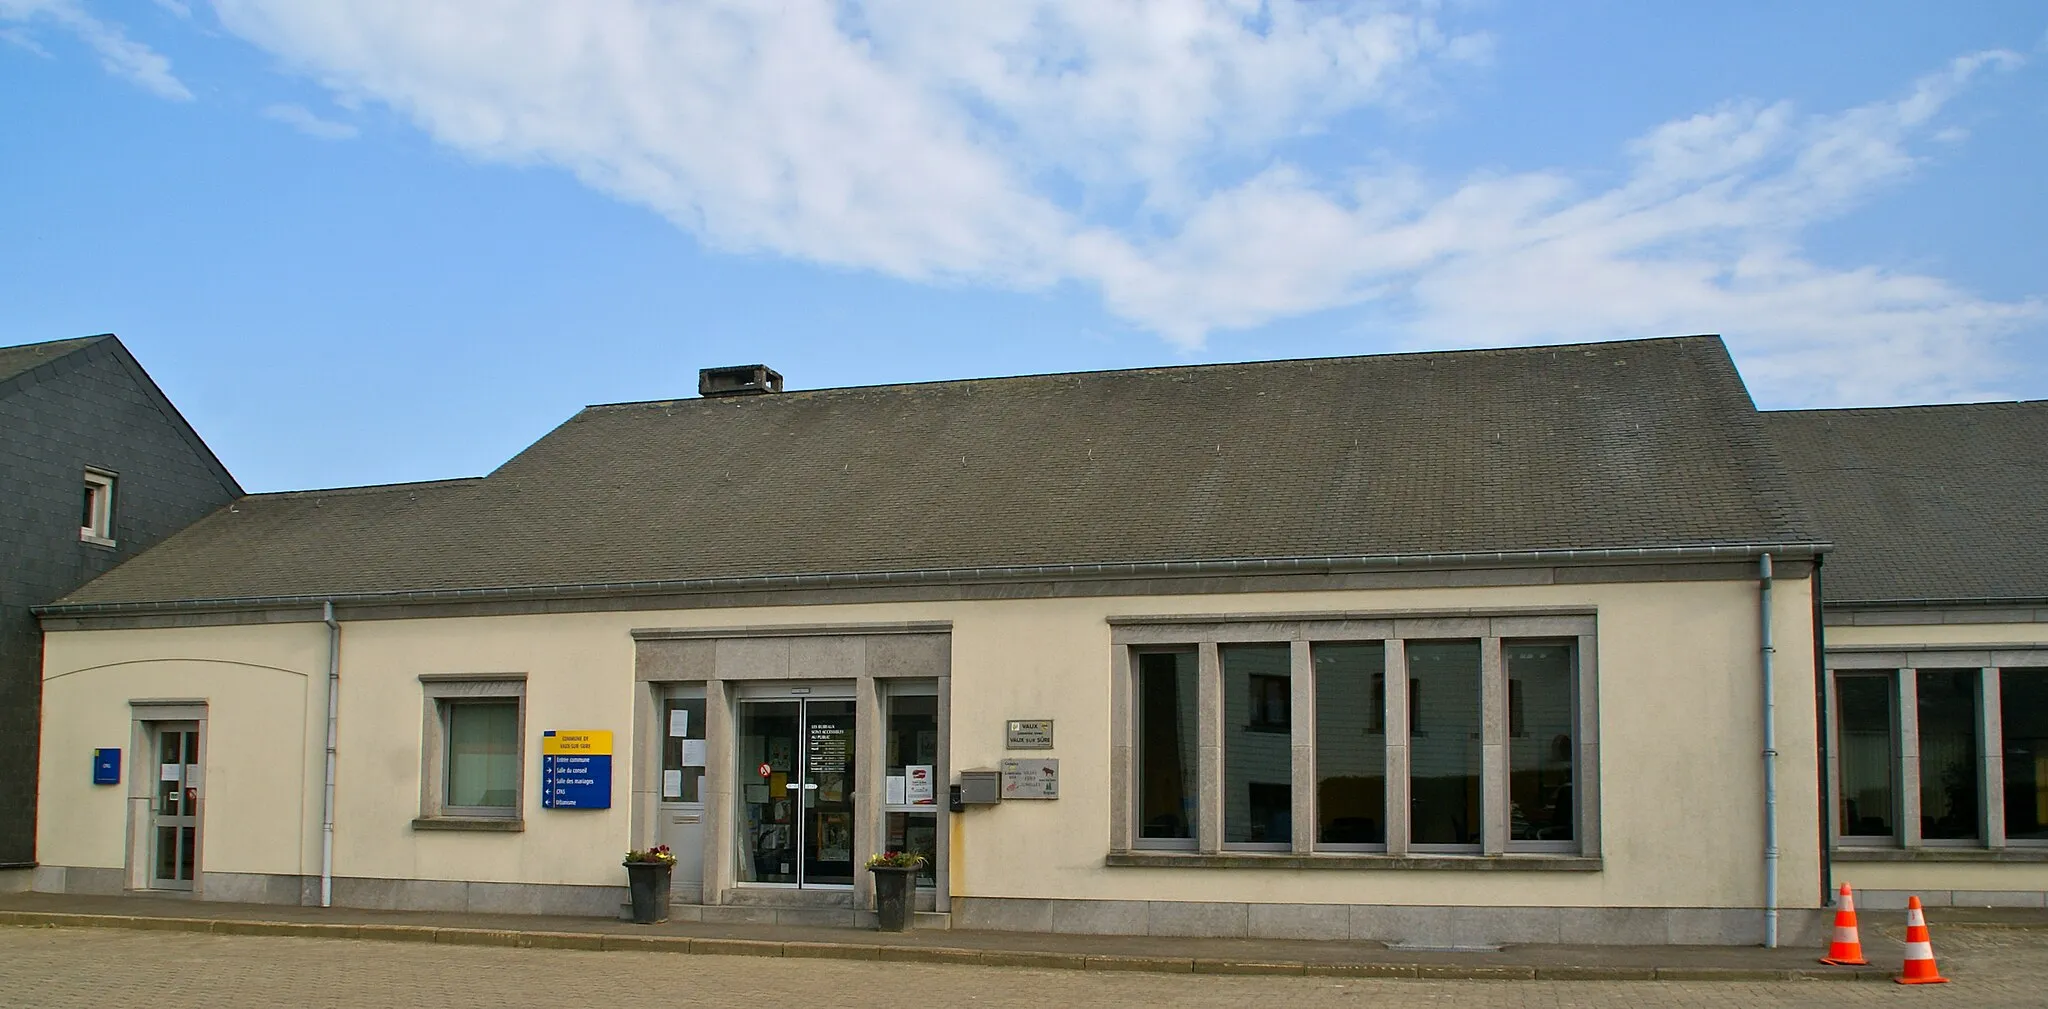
[96, 513]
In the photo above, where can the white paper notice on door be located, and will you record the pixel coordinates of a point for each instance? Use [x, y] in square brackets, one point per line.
[918, 788]
[892, 789]
[693, 753]
[171, 772]
[679, 723]
[671, 784]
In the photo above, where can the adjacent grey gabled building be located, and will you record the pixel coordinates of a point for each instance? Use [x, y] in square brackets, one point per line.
[96, 466]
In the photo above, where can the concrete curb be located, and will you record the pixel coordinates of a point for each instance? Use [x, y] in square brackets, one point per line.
[607, 942]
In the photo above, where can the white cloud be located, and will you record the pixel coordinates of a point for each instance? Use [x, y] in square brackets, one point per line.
[120, 55]
[300, 118]
[1144, 148]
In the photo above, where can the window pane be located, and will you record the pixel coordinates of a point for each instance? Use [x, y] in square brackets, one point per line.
[483, 755]
[1351, 743]
[1866, 759]
[912, 744]
[1258, 745]
[1948, 753]
[1541, 745]
[2023, 713]
[1167, 705]
[917, 833]
[1443, 744]
[682, 749]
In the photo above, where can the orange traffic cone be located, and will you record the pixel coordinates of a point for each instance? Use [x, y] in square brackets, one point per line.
[1847, 949]
[1920, 967]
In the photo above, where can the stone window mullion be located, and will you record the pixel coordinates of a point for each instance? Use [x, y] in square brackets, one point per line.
[1397, 746]
[1301, 717]
[1909, 759]
[1990, 744]
[1493, 748]
[1209, 760]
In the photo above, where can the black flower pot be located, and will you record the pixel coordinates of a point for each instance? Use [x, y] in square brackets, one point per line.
[892, 896]
[647, 883]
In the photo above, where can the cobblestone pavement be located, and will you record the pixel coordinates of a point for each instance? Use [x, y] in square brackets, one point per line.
[57, 968]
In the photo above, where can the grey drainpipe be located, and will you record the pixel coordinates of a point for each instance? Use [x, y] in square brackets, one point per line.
[1820, 707]
[1770, 758]
[333, 714]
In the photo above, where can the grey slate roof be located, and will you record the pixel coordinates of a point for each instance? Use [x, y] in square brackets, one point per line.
[18, 359]
[1925, 502]
[1648, 443]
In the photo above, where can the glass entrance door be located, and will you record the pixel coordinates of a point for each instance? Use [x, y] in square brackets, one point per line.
[797, 782]
[174, 806]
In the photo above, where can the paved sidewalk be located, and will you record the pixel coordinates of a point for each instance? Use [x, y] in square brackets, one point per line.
[1014, 949]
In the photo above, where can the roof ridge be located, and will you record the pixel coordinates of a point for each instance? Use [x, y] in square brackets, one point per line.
[1159, 368]
[1988, 404]
[365, 489]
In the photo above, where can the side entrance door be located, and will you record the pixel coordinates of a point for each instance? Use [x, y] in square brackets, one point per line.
[174, 805]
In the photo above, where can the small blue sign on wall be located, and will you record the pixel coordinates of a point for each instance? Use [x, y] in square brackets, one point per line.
[106, 765]
[576, 769]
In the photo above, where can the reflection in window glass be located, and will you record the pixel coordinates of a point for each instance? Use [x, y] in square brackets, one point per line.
[1351, 743]
[483, 754]
[1540, 741]
[910, 750]
[1167, 705]
[1443, 744]
[1864, 720]
[917, 833]
[1948, 753]
[1258, 763]
[2023, 714]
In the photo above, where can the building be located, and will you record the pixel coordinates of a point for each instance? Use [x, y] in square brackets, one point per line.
[96, 467]
[1937, 644]
[1448, 647]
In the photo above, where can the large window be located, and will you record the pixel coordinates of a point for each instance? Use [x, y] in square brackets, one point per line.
[1976, 772]
[1443, 743]
[1167, 701]
[2023, 705]
[1351, 744]
[1542, 743]
[1449, 737]
[1258, 751]
[1949, 801]
[1866, 758]
[910, 793]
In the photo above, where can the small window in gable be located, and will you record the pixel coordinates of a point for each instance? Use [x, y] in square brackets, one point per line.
[96, 517]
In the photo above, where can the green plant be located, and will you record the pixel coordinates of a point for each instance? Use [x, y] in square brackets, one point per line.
[657, 855]
[895, 860]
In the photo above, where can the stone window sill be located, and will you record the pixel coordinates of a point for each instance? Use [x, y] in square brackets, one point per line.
[2029, 854]
[1533, 862]
[499, 824]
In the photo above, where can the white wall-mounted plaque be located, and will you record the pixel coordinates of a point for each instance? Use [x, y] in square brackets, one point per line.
[1036, 778]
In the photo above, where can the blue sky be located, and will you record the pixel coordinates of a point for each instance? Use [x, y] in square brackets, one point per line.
[363, 241]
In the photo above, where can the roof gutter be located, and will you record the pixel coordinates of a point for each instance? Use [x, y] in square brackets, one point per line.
[1935, 602]
[943, 576]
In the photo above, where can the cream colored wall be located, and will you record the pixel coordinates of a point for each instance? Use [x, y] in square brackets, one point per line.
[262, 766]
[1681, 774]
[1926, 876]
[1852, 636]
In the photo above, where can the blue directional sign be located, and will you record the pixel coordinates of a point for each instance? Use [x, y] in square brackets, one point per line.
[576, 769]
